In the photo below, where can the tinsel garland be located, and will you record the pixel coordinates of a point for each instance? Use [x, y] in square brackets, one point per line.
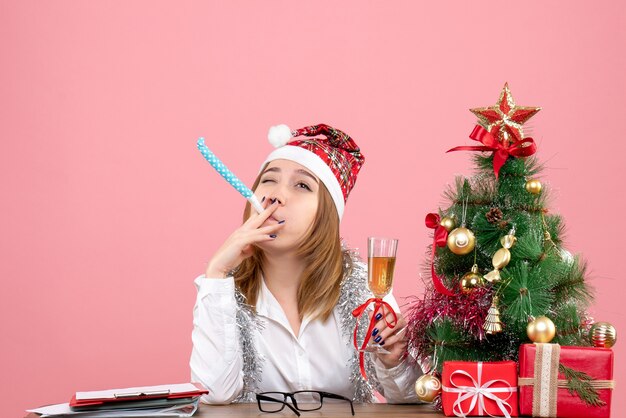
[465, 311]
[248, 322]
[353, 292]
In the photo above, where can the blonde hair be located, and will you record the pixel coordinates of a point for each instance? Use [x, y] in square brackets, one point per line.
[321, 252]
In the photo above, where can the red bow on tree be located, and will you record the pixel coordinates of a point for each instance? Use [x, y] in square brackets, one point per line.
[440, 237]
[501, 150]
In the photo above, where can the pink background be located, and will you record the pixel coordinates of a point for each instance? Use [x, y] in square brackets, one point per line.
[109, 212]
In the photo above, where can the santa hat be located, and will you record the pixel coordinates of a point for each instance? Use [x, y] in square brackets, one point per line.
[335, 159]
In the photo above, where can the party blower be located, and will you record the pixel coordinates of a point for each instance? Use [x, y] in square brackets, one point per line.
[229, 176]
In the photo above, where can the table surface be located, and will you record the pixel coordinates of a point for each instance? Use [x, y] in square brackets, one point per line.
[329, 410]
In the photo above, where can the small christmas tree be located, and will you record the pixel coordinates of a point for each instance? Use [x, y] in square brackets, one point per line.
[497, 272]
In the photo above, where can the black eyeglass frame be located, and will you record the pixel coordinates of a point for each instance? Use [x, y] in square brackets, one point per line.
[263, 396]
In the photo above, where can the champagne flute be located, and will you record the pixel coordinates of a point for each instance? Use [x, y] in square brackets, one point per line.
[381, 261]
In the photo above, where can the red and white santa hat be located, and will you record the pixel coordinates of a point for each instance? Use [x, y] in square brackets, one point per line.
[335, 159]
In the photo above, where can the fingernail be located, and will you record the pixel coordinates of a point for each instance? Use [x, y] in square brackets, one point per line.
[273, 236]
[378, 316]
[281, 222]
[375, 331]
[377, 339]
[263, 200]
[382, 342]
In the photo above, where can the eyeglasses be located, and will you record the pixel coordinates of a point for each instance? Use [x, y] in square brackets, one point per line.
[302, 400]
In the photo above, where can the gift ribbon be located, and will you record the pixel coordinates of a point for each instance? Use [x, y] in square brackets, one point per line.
[501, 150]
[547, 374]
[562, 383]
[379, 305]
[478, 393]
[440, 237]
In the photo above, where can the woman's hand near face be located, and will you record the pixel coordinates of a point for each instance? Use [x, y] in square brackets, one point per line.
[392, 339]
[238, 246]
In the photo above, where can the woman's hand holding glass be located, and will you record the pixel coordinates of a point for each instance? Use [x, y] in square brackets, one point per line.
[239, 245]
[392, 339]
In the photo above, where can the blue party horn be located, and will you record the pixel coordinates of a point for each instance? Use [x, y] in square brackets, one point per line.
[229, 176]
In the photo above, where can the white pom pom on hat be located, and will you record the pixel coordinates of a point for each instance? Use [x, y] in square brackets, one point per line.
[279, 135]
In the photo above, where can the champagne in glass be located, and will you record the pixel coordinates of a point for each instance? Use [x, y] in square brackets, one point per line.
[381, 260]
[381, 256]
[380, 277]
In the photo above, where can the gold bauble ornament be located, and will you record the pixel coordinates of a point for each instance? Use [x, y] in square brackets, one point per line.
[471, 280]
[427, 387]
[448, 223]
[533, 186]
[603, 334]
[461, 241]
[541, 330]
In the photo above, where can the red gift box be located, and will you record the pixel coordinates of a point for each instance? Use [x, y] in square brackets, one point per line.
[479, 389]
[543, 390]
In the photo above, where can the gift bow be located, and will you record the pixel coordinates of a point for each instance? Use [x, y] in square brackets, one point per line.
[440, 237]
[501, 150]
[478, 393]
[379, 304]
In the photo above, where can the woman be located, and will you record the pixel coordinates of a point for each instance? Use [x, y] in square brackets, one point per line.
[273, 311]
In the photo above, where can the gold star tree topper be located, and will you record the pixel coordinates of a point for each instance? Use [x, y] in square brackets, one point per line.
[504, 120]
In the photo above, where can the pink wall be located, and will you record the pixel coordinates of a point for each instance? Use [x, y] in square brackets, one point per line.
[109, 211]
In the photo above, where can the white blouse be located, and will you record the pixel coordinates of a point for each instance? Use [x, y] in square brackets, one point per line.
[316, 359]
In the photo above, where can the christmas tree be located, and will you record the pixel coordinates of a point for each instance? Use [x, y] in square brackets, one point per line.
[497, 274]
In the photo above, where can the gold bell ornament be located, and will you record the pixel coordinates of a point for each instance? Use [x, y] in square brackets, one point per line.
[533, 186]
[427, 387]
[492, 324]
[603, 334]
[502, 257]
[541, 329]
[471, 280]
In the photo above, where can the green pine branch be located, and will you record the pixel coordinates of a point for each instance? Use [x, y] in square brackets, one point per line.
[488, 232]
[449, 343]
[567, 319]
[572, 285]
[530, 246]
[556, 228]
[454, 193]
[519, 167]
[525, 291]
[578, 383]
